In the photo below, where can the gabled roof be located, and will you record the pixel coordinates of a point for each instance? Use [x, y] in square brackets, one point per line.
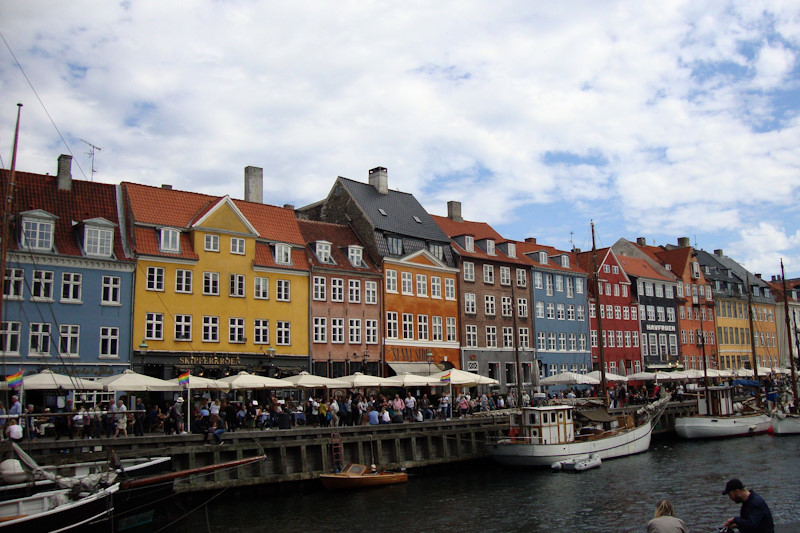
[636, 266]
[480, 231]
[678, 258]
[155, 207]
[526, 248]
[86, 201]
[340, 237]
[743, 274]
[776, 286]
[400, 209]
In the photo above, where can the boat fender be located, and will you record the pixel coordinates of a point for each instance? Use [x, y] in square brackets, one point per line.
[556, 467]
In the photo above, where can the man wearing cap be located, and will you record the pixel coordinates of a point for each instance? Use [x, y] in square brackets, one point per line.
[754, 516]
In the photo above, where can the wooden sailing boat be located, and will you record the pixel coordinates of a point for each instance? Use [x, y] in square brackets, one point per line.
[544, 435]
[787, 421]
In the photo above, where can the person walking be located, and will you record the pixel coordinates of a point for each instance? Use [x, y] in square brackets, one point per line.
[754, 515]
[664, 520]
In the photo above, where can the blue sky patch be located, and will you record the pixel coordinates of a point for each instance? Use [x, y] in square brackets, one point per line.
[552, 158]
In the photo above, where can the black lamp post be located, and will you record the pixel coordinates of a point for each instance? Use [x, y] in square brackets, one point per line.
[366, 356]
[142, 350]
[429, 356]
[271, 356]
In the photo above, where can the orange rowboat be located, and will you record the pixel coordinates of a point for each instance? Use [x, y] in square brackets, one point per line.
[355, 476]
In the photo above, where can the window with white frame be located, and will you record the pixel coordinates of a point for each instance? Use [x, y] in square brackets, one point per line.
[354, 331]
[489, 305]
[491, 336]
[71, 287]
[506, 306]
[539, 309]
[627, 339]
[371, 330]
[236, 286]
[395, 245]
[578, 285]
[69, 340]
[570, 287]
[469, 303]
[14, 283]
[625, 313]
[211, 243]
[559, 283]
[449, 289]
[183, 328]
[408, 326]
[551, 341]
[211, 283]
[284, 333]
[422, 285]
[437, 250]
[580, 313]
[560, 314]
[371, 292]
[593, 335]
[505, 275]
[436, 287]
[356, 256]
[391, 325]
[183, 281]
[543, 257]
[522, 307]
[541, 340]
[508, 337]
[582, 342]
[573, 342]
[524, 338]
[633, 313]
[260, 288]
[154, 326]
[283, 254]
[37, 234]
[570, 312]
[323, 251]
[407, 283]
[39, 339]
[337, 290]
[522, 277]
[155, 278]
[283, 290]
[548, 278]
[670, 314]
[354, 291]
[337, 330]
[537, 280]
[237, 246]
[98, 242]
[422, 327]
[551, 310]
[469, 271]
[170, 240]
[320, 329]
[210, 329]
[437, 329]
[469, 243]
[236, 330]
[488, 273]
[261, 331]
[490, 247]
[562, 342]
[450, 329]
[617, 312]
[472, 335]
[391, 281]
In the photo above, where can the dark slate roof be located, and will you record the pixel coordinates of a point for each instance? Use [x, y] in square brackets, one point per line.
[744, 274]
[400, 209]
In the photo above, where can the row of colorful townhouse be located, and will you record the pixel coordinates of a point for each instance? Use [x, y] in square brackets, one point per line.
[102, 277]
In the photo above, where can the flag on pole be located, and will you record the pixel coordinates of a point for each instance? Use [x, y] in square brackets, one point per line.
[445, 378]
[183, 379]
[14, 380]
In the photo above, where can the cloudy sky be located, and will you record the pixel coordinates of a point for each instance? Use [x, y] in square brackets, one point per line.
[654, 119]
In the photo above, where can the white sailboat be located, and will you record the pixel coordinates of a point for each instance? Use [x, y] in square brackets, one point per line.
[723, 419]
[785, 420]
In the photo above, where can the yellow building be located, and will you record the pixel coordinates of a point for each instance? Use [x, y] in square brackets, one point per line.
[221, 284]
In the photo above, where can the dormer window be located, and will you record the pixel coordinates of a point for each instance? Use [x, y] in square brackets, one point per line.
[490, 246]
[766, 292]
[283, 254]
[37, 231]
[565, 261]
[755, 290]
[98, 241]
[469, 243]
[324, 252]
[512, 249]
[356, 256]
[437, 250]
[170, 240]
[543, 258]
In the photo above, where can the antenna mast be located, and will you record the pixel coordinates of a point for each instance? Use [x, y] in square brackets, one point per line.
[90, 153]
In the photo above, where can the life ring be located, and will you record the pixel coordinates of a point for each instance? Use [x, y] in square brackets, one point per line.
[513, 433]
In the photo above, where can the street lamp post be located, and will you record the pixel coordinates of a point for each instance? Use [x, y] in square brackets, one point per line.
[271, 356]
[429, 356]
[366, 356]
[143, 351]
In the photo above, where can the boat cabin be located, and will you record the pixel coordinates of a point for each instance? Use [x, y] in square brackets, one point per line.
[721, 403]
[546, 424]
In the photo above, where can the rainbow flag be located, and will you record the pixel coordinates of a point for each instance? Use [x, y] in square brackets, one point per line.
[14, 380]
[445, 378]
[183, 379]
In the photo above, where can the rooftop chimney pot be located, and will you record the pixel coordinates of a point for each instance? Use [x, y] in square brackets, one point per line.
[64, 172]
[454, 211]
[641, 241]
[718, 252]
[379, 178]
[531, 240]
[254, 184]
[684, 242]
[166, 186]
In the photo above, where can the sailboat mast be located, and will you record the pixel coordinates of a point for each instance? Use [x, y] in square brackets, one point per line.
[517, 365]
[8, 199]
[789, 339]
[753, 339]
[596, 276]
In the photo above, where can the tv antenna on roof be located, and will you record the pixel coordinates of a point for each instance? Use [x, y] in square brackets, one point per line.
[91, 154]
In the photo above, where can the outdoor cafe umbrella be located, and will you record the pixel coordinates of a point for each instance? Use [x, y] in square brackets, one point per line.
[609, 376]
[49, 380]
[642, 376]
[245, 380]
[131, 381]
[359, 380]
[462, 378]
[569, 378]
[201, 383]
[304, 380]
[405, 380]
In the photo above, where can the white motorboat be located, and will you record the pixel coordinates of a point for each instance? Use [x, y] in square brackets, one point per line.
[577, 464]
[548, 434]
[719, 417]
[785, 423]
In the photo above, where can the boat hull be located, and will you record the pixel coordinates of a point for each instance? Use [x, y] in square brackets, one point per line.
[519, 453]
[712, 427]
[91, 513]
[341, 481]
[784, 424]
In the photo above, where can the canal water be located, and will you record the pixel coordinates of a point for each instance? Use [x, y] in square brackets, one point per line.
[620, 496]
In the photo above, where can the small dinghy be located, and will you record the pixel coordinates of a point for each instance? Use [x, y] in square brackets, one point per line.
[577, 464]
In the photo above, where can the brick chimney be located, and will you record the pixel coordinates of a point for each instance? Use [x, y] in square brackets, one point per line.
[64, 172]
[379, 178]
[454, 211]
[684, 242]
[641, 241]
[290, 207]
[531, 240]
[254, 184]
[166, 186]
[718, 252]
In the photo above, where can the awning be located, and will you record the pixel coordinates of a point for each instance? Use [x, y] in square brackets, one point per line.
[422, 369]
[596, 415]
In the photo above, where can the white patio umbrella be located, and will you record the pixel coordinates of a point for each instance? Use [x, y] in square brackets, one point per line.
[49, 380]
[725, 373]
[569, 378]
[744, 373]
[130, 381]
[672, 376]
[642, 376]
[404, 379]
[304, 380]
[609, 376]
[201, 383]
[359, 380]
[462, 378]
[246, 381]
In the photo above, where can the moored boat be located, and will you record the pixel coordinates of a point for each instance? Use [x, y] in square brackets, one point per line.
[719, 417]
[59, 510]
[355, 476]
[785, 423]
[548, 434]
[577, 464]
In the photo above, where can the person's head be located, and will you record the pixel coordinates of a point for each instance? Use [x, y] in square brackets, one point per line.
[30, 407]
[735, 490]
[14, 399]
[664, 508]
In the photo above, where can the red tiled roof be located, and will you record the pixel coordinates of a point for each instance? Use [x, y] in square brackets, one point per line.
[146, 240]
[85, 201]
[265, 257]
[639, 267]
[678, 258]
[340, 237]
[479, 230]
